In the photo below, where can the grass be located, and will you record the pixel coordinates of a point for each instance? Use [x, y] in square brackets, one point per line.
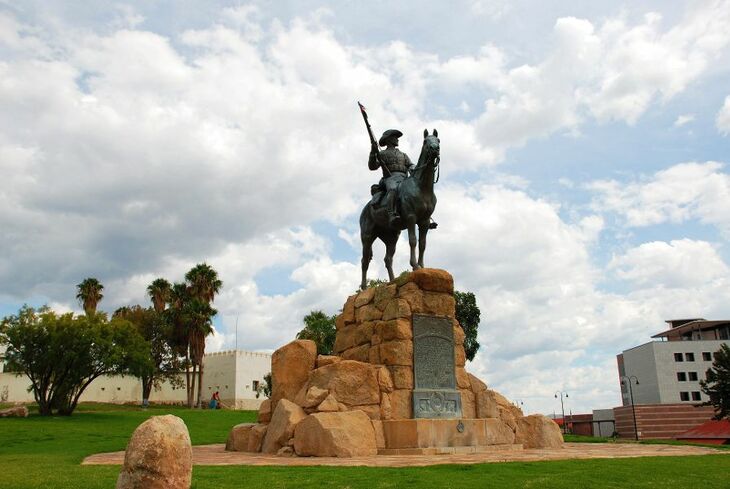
[40, 452]
[606, 439]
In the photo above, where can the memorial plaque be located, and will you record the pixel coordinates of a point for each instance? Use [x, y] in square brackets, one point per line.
[435, 394]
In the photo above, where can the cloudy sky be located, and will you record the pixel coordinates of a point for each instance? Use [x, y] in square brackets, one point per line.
[584, 194]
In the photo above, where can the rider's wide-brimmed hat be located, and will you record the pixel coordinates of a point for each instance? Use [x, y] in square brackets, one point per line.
[390, 133]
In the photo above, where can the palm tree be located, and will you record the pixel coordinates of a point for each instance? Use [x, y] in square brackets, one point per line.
[159, 291]
[89, 295]
[199, 314]
[203, 282]
[203, 285]
[180, 336]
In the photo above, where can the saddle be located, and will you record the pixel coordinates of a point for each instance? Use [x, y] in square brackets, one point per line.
[377, 191]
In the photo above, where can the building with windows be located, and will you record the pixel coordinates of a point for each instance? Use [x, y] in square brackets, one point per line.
[663, 378]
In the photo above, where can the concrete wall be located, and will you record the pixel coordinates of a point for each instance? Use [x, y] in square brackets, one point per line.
[250, 367]
[231, 373]
[640, 361]
[112, 389]
[604, 423]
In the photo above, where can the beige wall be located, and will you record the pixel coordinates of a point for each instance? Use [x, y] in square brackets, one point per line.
[231, 373]
[113, 389]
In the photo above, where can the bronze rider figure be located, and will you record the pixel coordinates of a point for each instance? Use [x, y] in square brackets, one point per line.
[396, 165]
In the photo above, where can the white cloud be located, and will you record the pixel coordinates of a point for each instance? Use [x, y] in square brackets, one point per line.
[722, 121]
[612, 72]
[679, 263]
[680, 193]
[683, 119]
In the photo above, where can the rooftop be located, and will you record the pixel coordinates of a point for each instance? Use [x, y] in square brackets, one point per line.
[690, 325]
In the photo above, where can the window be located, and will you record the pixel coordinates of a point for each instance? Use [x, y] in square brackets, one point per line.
[678, 357]
[696, 396]
[681, 376]
[255, 385]
[706, 356]
[690, 357]
[684, 396]
[692, 376]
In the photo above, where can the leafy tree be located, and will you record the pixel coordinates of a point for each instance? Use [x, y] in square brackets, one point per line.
[88, 292]
[156, 330]
[159, 291]
[265, 388]
[717, 385]
[468, 315]
[319, 328]
[63, 354]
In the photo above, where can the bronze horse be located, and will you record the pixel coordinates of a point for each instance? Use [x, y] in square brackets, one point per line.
[416, 202]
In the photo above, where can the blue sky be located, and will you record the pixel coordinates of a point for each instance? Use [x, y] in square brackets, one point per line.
[584, 192]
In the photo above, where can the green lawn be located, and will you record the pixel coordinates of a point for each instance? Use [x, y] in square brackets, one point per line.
[45, 453]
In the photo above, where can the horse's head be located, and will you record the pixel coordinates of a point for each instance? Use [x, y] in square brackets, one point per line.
[431, 147]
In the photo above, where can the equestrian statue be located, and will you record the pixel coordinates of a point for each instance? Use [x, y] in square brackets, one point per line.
[403, 199]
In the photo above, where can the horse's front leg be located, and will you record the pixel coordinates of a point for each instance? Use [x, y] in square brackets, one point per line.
[367, 255]
[422, 232]
[412, 243]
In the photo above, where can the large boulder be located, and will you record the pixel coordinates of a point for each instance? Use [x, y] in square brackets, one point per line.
[159, 456]
[498, 432]
[290, 367]
[256, 437]
[343, 434]
[484, 399]
[432, 279]
[14, 412]
[538, 431]
[265, 411]
[350, 382]
[238, 437]
[281, 428]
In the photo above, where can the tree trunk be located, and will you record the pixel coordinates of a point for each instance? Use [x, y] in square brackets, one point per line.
[191, 394]
[146, 390]
[200, 381]
[187, 378]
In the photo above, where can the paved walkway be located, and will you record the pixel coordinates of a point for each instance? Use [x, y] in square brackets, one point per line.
[216, 455]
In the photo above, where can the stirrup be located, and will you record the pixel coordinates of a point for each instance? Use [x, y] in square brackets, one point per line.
[433, 225]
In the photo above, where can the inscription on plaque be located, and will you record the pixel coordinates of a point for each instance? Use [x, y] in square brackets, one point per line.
[435, 394]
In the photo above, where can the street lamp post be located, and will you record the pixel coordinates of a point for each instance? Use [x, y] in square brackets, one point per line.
[562, 408]
[628, 380]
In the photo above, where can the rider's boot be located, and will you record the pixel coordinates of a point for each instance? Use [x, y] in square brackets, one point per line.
[394, 219]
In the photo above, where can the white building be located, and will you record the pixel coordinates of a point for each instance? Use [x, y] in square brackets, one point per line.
[235, 374]
[669, 370]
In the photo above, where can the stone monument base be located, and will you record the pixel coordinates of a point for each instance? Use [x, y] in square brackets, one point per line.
[396, 384]
[421, 433]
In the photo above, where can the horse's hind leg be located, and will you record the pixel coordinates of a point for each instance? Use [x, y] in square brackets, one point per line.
[389, 252]
[367, 255]
[412, 243]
